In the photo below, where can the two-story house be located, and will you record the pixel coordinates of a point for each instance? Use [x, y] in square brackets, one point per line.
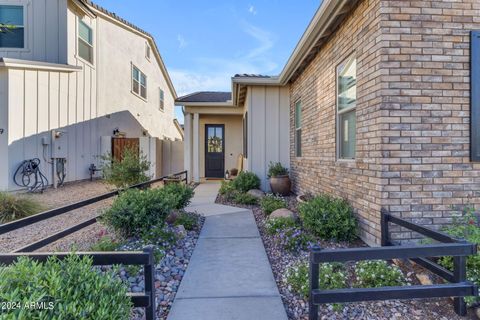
[72, 77]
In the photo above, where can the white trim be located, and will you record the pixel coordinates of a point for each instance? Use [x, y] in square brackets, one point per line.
[37, 65]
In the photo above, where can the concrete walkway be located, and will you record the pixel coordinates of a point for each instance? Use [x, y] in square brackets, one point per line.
[229, 276]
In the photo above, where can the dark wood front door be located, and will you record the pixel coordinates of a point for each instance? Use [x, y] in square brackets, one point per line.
[214, 150]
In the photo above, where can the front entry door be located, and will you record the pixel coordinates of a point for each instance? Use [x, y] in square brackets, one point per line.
[214, 150]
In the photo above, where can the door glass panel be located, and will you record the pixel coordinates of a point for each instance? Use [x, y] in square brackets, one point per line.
[215, 139]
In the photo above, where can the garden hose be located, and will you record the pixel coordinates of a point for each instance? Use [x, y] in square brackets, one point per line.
[61, 174]
[28, 175]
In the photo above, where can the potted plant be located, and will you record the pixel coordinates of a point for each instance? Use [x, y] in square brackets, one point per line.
[279, 180]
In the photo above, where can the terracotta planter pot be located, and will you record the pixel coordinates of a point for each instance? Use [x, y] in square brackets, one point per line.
[281, 185]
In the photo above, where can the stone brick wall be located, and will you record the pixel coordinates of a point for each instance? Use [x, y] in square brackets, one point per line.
[412, 114]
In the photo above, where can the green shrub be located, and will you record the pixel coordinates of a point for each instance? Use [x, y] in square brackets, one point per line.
[466, 227]
[131, 170]
[181, 192]
[135, 211]
[331, 276]
[377, 273]
[245, 198]
[13, 207]
[105, 243]
[246, 181]
[158, 235]
[75, 289]
[329, 218]
[273, 226]
[226, 187]
[270, 203]
[276, 169]
[188, 220]
[294, 239]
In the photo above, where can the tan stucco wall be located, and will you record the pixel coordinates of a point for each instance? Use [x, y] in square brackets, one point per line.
[233, 138]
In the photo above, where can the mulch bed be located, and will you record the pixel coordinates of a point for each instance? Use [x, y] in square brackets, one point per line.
[297, 307]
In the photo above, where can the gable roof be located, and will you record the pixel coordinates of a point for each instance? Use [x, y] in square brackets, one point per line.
[207, 96]
[132, 27]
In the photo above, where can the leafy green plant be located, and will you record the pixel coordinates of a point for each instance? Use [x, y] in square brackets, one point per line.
[245, 198]
[246, 181]
[294, 239]
[105, 243]
[272, 226]
[275, 169]
[329, 218]
[14, 207]
[270, 203]
[331, 276]
[131, 170]
[377, 273]
[181, 192]
[135, 211]
[158, 234]
[70, 288]
[188, 220]
[228, 191]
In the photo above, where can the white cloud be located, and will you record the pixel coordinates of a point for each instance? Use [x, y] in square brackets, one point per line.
[252, 10]
[264, 38]
[182, 43]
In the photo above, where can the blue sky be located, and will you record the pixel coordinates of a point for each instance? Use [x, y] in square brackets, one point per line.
[204, 43]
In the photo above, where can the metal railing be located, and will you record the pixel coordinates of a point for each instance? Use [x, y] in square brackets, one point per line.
[145, 258]
[457, 286]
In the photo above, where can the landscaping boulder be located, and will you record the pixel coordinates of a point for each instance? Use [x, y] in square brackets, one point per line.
[256, 193]
[284, 213]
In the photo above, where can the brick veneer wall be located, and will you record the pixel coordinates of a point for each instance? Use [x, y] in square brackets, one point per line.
[412, 114]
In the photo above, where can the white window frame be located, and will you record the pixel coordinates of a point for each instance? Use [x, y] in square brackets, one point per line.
[298, 152]
[78, 38]
[138, 94]
[161, 97]
[24, 5]
[148, 51]
[339, 113]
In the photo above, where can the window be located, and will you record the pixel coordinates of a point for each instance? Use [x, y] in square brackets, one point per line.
[12, 35]
[162, 100]
[298, 128]
[139, 82]
[85, 42]
[147, 51]
[346, 105]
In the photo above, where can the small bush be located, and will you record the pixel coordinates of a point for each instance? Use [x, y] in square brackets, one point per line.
[246, 181]
[377, 273]
[227, 190]
[74, 289]
[13, 207]
[158, 235]
[276, 169]
[245, 198]
[131, 170]
[135, 211]
[188, 220]
[329, 218]
[270, 203]
[295, 239]
[105, 243]
[331, 276]
[181, 192]
[272, 226]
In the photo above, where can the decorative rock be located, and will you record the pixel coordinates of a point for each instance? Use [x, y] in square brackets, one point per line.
[424, 279]
[181, 231]
[477, 312]
[284, 213]
[256, 193]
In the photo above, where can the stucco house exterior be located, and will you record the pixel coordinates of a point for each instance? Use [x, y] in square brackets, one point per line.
[379, 104]
[72, 76]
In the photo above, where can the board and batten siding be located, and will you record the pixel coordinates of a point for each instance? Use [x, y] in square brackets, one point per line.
[45, 31]
[268, 126]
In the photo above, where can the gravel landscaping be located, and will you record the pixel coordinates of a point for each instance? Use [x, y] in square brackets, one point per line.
[297, 306]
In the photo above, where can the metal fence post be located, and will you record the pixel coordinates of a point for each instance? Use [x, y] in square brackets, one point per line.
[149, 275]
[313, 277]
[460, 275]
[384, 237]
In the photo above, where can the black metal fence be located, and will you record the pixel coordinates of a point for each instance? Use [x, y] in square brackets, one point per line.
[457, 285]
[145, 258]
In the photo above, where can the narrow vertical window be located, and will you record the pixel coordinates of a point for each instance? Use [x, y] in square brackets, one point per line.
[162, 100]
[139, 82]
[147, 51]
[475, 96]
[12, 30]
[85, 42]
[346, 106]
[298, 129]
[245, 135]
